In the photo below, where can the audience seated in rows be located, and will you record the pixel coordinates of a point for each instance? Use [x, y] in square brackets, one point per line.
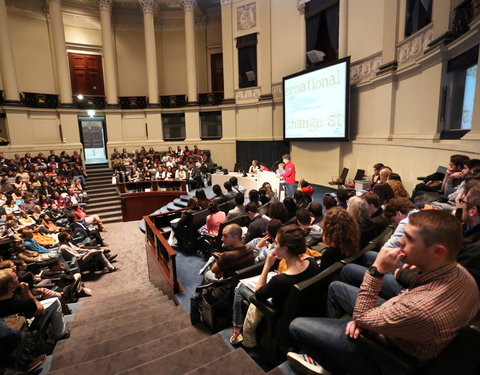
[25, 303]
[94, 258]
[177, 164]
[236, 257]
[312, 232]
[289, 245]
[344, 230]
[421, 321]
[358, 208]
[341, 235]
[239, 209]
[215, 219]
[37, 195]
[258, 224]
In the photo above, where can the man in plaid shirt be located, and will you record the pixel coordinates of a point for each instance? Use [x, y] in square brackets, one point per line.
[421, 321]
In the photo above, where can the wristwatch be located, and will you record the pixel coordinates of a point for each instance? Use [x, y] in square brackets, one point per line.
[372, 270]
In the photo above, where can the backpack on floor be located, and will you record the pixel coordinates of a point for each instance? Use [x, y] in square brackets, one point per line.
[212, 304]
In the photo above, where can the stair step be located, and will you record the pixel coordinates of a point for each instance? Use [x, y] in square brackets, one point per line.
[104, 204]
[185, 198]
[102, 196]
[125, 295]
[112, 214]
[107, 187]
[126, 337]
[171, 207]
[120, 311]
[102, 182]
[130, 328]
[179, 203]
[278, 370]
[104, 176]
[237, 362]
[96, 172]
[115, 322]
[100, 306]
[128, 358]
[105, 207]
[97, 166]
[174, 363]
[115, 219]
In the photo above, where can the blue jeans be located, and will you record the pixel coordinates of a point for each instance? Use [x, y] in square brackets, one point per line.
[369, 258]
[353, 274]
[290, 189]
[324, 339]
[53, 309]
[342, 298]
[242, 293]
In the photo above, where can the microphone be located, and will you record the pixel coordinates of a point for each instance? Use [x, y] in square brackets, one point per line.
[273, 165]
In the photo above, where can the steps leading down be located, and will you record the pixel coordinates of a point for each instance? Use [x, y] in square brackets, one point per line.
[142, 332]
[103, 199]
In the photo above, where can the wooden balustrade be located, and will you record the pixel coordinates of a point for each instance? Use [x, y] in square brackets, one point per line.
[161, 257]
[143, 197]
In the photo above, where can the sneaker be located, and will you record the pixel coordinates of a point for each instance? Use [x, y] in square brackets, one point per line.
[111, 258]
[306, 364]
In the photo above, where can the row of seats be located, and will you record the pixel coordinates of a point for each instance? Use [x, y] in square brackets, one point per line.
[304, 299]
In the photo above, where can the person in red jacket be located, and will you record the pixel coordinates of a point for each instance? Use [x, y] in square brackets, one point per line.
[289, 176]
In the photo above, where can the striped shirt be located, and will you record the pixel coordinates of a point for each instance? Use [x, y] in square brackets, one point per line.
[423, 319]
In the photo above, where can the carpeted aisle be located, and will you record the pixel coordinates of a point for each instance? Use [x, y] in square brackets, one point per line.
[126, 240]
[129, 327]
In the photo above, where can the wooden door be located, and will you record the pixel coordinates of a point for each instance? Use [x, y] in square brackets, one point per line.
[216, 61]
[86, 73]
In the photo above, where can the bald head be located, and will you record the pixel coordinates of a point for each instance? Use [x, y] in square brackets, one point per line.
[232, 236]
[234, 230]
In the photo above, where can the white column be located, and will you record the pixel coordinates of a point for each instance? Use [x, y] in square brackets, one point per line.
[148, 6]
[343, 29]
[7, 64]
[105, 8]
[63, 70]
[303, 32]
[227, 50]
[189, 6]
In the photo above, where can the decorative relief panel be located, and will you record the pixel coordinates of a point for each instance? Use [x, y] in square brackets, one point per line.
[277, 91]
[247, 17]
[415, 45]
[366, 68]
[247, 94]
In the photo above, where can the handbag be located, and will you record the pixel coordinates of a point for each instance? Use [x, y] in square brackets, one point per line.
[212, 304]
